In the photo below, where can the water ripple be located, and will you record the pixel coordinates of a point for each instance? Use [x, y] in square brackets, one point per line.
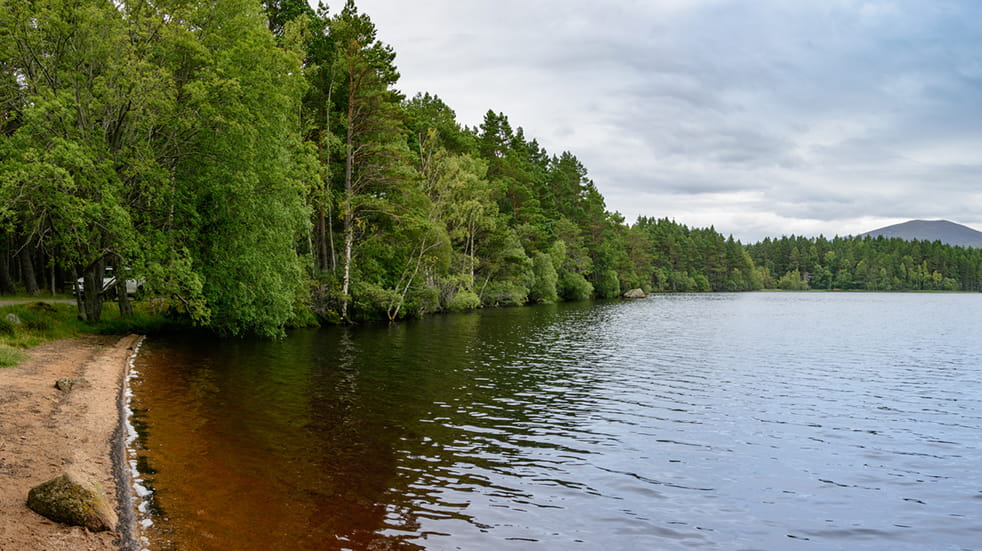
[764, 421]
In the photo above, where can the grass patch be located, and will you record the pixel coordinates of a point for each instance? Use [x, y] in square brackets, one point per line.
[10, 356]
[32, 323]
[29, 324]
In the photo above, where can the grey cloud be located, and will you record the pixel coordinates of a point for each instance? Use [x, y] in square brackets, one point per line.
[828, 112]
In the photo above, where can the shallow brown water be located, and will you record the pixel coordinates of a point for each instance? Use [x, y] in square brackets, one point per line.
[755, 421]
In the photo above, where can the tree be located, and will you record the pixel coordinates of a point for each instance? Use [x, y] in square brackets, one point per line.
[462, 200]
[78, 159]
[374, 144]
[239, 177]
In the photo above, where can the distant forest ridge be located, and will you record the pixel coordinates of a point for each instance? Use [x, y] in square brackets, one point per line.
[944, 231]
[254, 164]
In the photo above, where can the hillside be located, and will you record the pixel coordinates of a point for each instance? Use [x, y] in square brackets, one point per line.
[947, 232]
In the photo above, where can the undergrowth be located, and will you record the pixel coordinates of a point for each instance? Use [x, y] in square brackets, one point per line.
[10, 356]
[29, 324]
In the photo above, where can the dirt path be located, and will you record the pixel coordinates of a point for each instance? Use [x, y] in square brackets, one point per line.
[43, 431]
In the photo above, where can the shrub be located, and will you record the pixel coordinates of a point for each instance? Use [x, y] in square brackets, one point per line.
[423, 300]
[371, 301]
[573, 286]
[505, 293]
[608, 284]
[463, 301]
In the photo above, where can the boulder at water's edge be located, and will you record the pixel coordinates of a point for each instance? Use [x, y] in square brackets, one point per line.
[634, 293]
[71, 499]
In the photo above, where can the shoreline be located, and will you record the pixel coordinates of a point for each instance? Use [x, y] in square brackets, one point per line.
[125, 506]
[44, 431]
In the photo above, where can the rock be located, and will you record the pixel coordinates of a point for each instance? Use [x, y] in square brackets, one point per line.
[71, 499]
[634, 293]
[13, 319]
[65, 384]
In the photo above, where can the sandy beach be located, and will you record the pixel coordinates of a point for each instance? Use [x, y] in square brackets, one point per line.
[44, 431]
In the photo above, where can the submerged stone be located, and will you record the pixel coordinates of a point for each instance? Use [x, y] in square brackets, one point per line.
[71, 499]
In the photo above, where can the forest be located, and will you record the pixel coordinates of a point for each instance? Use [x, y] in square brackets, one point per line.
[868, 264]
[255, 166]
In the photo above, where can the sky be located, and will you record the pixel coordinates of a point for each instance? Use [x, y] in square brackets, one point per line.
[759, 118]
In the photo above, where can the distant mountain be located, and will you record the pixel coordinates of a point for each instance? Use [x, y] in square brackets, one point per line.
[932, 230]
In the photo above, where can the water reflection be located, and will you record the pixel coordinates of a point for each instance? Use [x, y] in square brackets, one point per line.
[696, 421]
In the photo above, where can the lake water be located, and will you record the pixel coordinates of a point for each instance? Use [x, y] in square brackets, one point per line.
[722, 421]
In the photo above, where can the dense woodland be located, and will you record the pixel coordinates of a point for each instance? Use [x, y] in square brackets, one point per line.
[256, 165]
[870, 264]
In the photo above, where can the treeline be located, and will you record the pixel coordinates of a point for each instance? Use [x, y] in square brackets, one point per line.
[866, 263]
[254, 163]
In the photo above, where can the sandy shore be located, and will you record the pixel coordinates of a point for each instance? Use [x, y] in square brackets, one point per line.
[43, 431]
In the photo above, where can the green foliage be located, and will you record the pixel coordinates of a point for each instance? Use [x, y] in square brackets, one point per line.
[544, 285]
[573, 286]
[678, 259]
[608, 284]
[241, 177]
[372, 301]
[865, 263]
[423, 300]
[792, 281]
[504, 293]
[463, 301]
[167, 145]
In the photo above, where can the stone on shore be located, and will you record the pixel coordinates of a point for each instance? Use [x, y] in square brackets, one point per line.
[65, 384]
[71, 499]
[634, 293]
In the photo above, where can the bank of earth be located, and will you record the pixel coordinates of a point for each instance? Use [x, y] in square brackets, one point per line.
[45, 431]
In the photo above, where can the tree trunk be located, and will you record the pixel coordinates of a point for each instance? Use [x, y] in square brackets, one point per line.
[349, 232]
[78, 295]
[327, 223]
[6, 282]
[91, 296]
[125, 306]
[470, 239]
[349, 217]
[27, 265]
[349, 240]
[330, 238]
[322, 261]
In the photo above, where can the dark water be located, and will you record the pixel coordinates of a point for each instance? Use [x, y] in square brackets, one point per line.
[747, 421]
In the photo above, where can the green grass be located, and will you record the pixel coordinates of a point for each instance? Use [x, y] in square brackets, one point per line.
[34, 323]
[10, 356]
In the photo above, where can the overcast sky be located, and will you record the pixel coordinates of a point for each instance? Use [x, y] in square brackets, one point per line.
[761, 118]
